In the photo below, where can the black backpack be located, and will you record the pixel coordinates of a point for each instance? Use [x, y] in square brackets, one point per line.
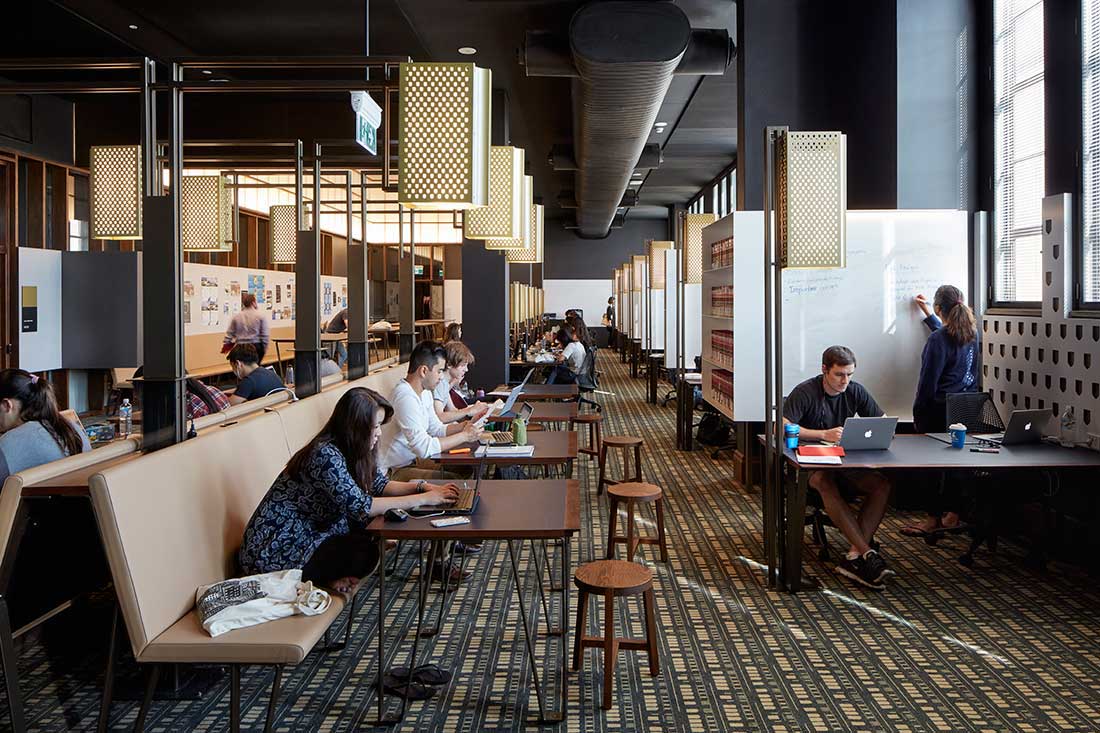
[713, 430]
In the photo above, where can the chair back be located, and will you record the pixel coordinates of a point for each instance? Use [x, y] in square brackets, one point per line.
[975, 410]
[586, 377]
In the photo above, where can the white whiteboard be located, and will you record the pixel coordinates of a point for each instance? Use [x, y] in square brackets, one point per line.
[672, 277]
[868, 306]
[40, 349]
[589, 296]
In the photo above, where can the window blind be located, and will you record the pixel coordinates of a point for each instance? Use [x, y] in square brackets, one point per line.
[1018, 149]
[1090, 149]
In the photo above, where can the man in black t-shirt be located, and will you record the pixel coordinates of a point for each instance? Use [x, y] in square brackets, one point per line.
[819, 406]
[255, 380]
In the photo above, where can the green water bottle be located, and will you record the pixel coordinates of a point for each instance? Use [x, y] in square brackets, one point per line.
[519, 431]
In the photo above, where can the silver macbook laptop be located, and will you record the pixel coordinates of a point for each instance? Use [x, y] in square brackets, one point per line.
[1024, 426]
[515, 393]
[868, 433]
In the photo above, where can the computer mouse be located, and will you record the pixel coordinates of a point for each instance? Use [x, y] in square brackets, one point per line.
[396, 515]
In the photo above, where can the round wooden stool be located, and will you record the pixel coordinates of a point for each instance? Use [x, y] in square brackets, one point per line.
[594, 421]
[631, 494]
[611, 578]
[625, 442]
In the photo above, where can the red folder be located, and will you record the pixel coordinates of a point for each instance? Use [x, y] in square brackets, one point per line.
[820, 450]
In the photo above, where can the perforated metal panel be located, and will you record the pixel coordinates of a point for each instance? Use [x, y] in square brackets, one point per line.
[523, 240]
[692, 238]
[284, 234]
[502, 218]
[444, 141]
[531, 254]
[655, 252]
[116, 192]
[812, 199]
[203, 219]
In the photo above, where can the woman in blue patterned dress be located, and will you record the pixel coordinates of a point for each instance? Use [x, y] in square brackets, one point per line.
[315, 514]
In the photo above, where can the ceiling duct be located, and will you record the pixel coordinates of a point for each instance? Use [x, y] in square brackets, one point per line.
[621, 55]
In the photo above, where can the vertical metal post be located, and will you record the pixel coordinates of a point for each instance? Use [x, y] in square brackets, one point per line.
[163, 393]
[358, 288]
[406, 284]
[299, 196]
[307, 296]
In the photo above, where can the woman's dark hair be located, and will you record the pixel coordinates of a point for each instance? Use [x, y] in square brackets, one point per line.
[426, 353]
[454, 333]
[248, 300]
[581, 330]
[39, 404]
[958, 319]
[837, 356]
[349, 429]
[564, 336]
[194, 387]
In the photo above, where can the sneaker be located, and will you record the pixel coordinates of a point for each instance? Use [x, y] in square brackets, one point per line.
[461, 548]
[876, 567]
[856, 569]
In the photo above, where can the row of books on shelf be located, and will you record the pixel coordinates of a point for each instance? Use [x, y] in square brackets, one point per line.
[721, 346]
[721, 300]
[721, 386]
[721, 253]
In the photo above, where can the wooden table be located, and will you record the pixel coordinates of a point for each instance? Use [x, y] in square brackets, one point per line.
[509, 511]
[552, 448]
[539, 392]
[784, 521]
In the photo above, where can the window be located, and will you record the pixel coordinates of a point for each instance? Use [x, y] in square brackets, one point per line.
[1018, 142]
[1090, 153]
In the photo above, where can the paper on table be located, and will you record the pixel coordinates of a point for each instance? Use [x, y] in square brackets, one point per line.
[820, 460]
[517, 451]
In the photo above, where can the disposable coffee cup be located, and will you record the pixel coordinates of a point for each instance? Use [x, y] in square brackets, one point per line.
[958, 435]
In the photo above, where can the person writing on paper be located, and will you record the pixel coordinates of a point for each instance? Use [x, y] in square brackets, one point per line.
[449, 404]
[32, 430]
[250, 326]
[315, 515]
[571, 359]
[820, 406]
[416, 432]
[948, 365]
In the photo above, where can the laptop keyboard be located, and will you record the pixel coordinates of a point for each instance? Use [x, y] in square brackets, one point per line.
[501, 436]
[465, 500]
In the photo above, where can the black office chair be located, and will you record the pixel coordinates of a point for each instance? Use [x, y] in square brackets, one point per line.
[587, 379]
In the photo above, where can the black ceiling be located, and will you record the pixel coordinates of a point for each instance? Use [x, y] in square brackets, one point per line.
[699, 142]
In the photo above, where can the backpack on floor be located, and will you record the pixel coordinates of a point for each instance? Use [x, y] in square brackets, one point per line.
[712, 430]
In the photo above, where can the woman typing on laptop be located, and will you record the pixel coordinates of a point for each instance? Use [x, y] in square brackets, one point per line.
[820, 406]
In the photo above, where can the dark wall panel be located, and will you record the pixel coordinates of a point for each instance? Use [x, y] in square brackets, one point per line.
[485, 313]
[101, 310]
[39, 126]
[568, 257]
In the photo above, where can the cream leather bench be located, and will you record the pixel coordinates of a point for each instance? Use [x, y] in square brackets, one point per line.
[12, 516]
[172, 521]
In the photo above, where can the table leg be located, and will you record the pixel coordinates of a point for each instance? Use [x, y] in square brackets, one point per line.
[526, 629]
[795, 509]
[545, 570]
[279, 362]
[380, 691]
[565, 628]
[425, 583]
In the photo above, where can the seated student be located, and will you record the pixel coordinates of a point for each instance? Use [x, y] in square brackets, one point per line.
[449, 404]
[416, 433]
[315, 514]
[255, 381]
[948, 365]
[570, 360]
[32, 430]
[338, 324]
[453, 333]
[820, 406]
[202, 399]
[580, 331]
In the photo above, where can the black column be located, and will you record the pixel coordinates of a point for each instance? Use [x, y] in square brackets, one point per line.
[307, 297]
[163, 392]
[485, 313]
[358, 292]
[406, 285]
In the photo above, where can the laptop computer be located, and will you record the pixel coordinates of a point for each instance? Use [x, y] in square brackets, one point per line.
[465, 504]
[1024, 426]
[868, 433]
[514, 394]
[505, 437]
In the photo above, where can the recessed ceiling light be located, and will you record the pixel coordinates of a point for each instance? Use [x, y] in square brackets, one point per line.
[133, 27]
[207, 71]
[467, 50]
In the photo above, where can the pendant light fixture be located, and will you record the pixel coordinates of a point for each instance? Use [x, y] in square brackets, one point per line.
[523, 237]
[503, 217]
[655, 251]
[811, 199]
[692, 238]
[283, 231]
[531, 254]
[444, 141]
[206, 214]
[116, 191]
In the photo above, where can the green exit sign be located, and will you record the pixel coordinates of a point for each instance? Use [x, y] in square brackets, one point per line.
[366, 134]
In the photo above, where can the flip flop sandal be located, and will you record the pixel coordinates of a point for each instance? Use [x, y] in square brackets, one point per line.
[399, 687]
[914, 531]
[426, 674]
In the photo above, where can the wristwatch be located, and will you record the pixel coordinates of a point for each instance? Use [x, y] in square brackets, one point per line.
[420, 486]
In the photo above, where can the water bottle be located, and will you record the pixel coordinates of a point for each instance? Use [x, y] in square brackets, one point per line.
[290, 375]
[1067, 434]
[519, 431]
[125, 418]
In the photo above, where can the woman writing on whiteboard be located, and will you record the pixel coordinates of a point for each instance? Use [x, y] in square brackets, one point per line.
[949, 365]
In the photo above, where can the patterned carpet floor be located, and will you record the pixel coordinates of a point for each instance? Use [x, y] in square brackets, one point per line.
[996, 647]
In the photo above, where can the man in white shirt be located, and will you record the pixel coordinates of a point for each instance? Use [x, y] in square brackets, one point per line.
[570, 360]
[415, 433]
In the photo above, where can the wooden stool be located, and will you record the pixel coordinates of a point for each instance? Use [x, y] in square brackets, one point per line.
[594, 421]
[611, 578]
[625, 442]
[631, 494]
